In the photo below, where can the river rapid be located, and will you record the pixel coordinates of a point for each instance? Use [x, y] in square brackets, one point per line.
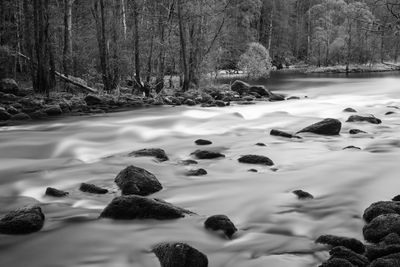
[275, 228]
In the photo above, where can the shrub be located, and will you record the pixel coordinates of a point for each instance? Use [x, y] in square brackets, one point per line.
[256, 61]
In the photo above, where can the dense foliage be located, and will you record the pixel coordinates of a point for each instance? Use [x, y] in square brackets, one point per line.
[111, 42]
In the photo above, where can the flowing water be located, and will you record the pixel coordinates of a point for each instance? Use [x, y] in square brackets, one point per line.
[275, 228]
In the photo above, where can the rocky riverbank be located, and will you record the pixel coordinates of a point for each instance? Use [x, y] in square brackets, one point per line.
[19, 105]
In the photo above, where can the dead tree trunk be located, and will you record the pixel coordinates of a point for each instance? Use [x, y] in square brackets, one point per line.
[67, 52]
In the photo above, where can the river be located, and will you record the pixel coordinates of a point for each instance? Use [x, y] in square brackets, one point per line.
[275, 228]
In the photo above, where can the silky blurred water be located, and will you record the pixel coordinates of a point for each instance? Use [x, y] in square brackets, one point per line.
[275, 228]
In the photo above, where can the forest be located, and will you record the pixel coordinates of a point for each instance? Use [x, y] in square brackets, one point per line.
[106, 44]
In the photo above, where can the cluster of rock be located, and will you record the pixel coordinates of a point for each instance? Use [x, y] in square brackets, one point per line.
[381, 231]
[18, 104]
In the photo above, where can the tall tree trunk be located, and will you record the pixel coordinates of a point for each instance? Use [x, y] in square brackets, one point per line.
[161, 56]
[123, 7]
[115, 44]
[67, 52]
[137, 44]
[182, 35]
[348, 47]
[271, 18]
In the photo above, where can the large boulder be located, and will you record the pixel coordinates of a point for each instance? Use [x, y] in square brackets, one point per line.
[137, 207]
[382, 226]
[92, 100]
[357, 118]
[256, 159]
[158, 153]
[137, 181]
[54, 110]
[9, 86]
[221, 223]
[22, 221]
[381, 207]
[347, 242]
[260, 90]
[240, 87]
[325, 127]
[179, 255]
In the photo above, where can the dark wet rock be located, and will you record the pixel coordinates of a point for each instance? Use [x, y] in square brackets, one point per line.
[190, 102]
[356, 131]
[220, 103]
[261, 144]
[390, 113]
[91, 188]
[197, 172]
[204, 154]
[349, 110]
[256, 159]
[9, 86]
[381, 226]
[252, 170]
[245, 103]
[392, 260]
[188, 162]
[341, 252]
[302, 194]
[4, 115]
[337, 262]
[396, 198]
[202, 142]
[357, 118]
[276, 97]
[138, 207]
[240, 87]
[375, 252]
[53, 192]
[282, 134]
[39, 114]
[352, 147]
[335, 241]
[150, 152]
[22, 221]
[21, 117]
[379, 208]
[248, 98]
[325, 127]
[293, 98]
[390, 239]
[53, 110]
[179, 255]
[92, 100]
[221, 223]
[259, 90]
[137, 181]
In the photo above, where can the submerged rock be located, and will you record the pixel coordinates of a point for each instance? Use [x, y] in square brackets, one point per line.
[137, 207]
[53, 192]
[335, 241]
[349, 110]
[352, 147]
[137, 181]
[252, 170]
[390, 113]
[302, 194]
[381, 207]
[221, 223]
[179, 255]
[282, 134]
[202, 142]
[22, 221]
[325, 127]
[357, 118]
[197, 172]
[261, 144]
[158, 153]
[356, 131]
[381, 226]
[188, 162]
[91, 188]
[256, 159]
[204, 154]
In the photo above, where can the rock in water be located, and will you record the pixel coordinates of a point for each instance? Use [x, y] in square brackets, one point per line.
[179, 255]
[137, 207]
[22, 221]
[188, 162]
[356, 131]
[357, 118]
[158, 153]
[282, 134]
[202, 142]
[204, 154]
[256, 159]
[53, 110]
[348, 255]
[53, 192]
[379, 208]
[392, 260]
[335, 241]
[325, 127]
[382, 226]
[349, 110]
[337, 262]
[352, 147]
[197, 172]
[221, 223]
[302, 194]
[240, 87]
[91, 188]
[137, 181]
